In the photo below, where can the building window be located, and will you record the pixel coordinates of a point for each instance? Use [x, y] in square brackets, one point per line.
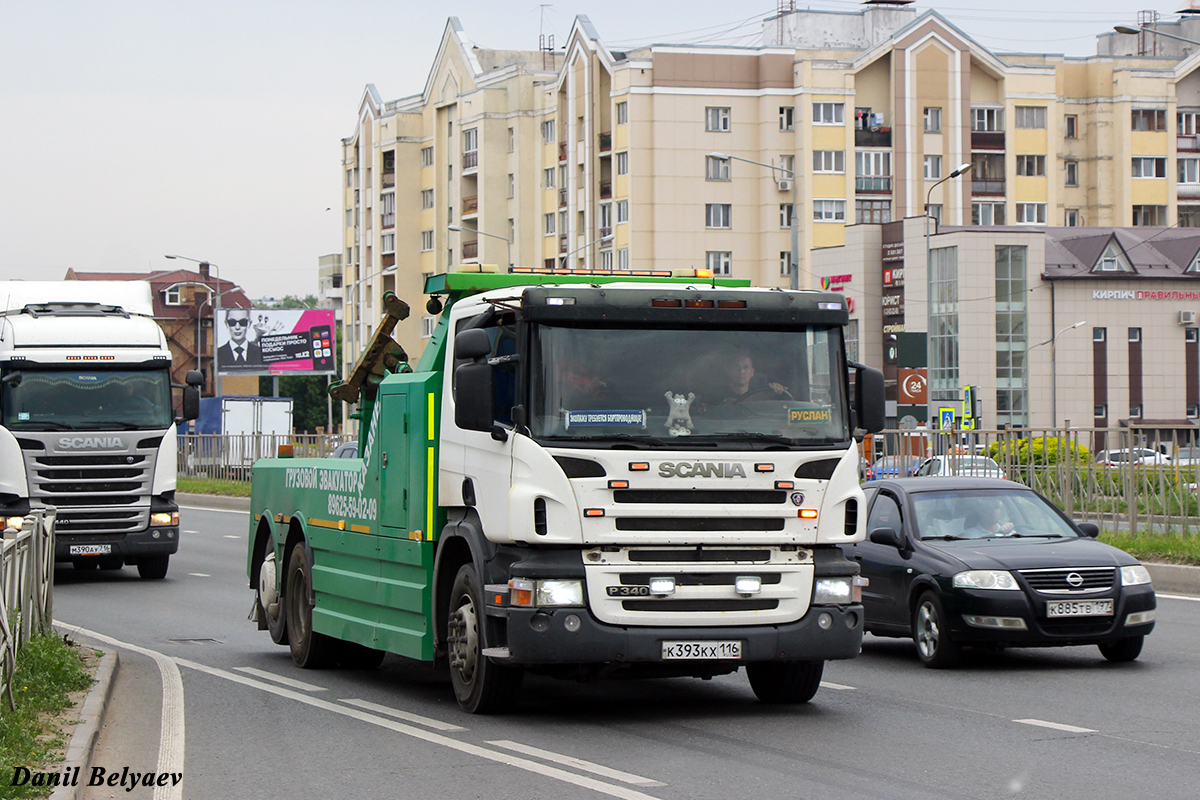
[1189, 170]
[387, 243]
[1012, 391]
[426, 241]
[1189, 216]
[716, 118]
[427, 198]
[934, 212]
[851, 334]
[1099, 334]
[1031, 214]
[787, 119]
[787, 169]
[785, 215]
[548, 224]
[173, 296]
[426, 156]
[933, 167]
[718, 215]
[829, 113]
[1149, 119]
[1150, 216]
[623, 258]
[943, 321]
[387, 205]
[719, 261]
[1031, 166]
[548, 177]
[829, 160]
[987, 214]
[548, 132]
[622, 113]
[606, 260]
[1031, 117]
[1071, 218]
[987, 119]
[1072, 168]
[623, 163]
[716, 169]
[1189, 123]
[1191, 335]
[428, 323]
[622, 211]
[785, 263]
[470, 139]
[512, 140]
[1071, 126]
[872, 211]
[512, 185]
[1135, 334]
[1149, 167]
[1100, 412]
[604, 219]
[1193, 411]
[829, 210]
[933, 119]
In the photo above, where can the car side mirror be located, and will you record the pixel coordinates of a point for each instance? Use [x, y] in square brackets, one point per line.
[888, 536]
[1089, 529]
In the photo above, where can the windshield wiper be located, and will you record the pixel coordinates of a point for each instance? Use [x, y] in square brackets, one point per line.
[44, 425]
[945, 537]
[774, 438]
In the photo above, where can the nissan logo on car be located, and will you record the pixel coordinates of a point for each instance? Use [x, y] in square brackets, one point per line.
[1075, 579]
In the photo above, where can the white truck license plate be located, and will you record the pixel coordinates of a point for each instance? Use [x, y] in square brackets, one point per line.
[91, 549]
[674, 651]
[1079, 608]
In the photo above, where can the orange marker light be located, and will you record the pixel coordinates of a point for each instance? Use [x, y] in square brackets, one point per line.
[808, 513]
[618, 484]
[764, 467]
[593, 512]
[785, 485]
[520, 592]
[639, 466]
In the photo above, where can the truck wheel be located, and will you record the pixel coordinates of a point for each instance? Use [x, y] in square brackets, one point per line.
[310, 650]
[152, 568]
[481, 686]
[785, 681]
[276, 625]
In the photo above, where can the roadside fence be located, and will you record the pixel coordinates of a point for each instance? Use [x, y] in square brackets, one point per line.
[1128, 478]
[26, 589]
[230, 457]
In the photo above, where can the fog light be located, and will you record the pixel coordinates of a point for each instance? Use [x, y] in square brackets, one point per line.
[981, 621]
[155, 534]
[540, 622]
[852, 620]
[662, 586]
[825, 621]
[746, 585]
[572, 623]
[1140, 617]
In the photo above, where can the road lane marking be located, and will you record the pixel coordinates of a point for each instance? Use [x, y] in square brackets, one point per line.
[428, 722]
[231, 536]
[199, 575]
[1058, 726]
[187, 531]
[292, 682]
[577, 763]
[1178, 597]
[171, 735]
[841, 687]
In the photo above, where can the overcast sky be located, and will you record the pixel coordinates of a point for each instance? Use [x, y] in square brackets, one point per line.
[212, 129]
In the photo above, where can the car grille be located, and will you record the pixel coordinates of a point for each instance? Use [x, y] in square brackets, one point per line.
[1091, 626]
[1060, 581]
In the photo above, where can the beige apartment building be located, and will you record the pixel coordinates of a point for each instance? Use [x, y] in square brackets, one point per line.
[691, 157]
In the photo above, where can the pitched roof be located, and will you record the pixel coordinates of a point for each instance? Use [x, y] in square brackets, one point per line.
[1153, 252]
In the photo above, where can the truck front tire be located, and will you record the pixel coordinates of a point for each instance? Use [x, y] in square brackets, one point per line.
[310, 650]
[785, 681]
[481, 686]
[152, 568]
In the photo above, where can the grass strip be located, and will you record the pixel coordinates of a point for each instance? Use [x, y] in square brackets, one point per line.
[213, 486]
[1166, 548]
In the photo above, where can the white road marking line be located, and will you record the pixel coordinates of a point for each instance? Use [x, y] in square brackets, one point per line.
[428, 722]
[1178, 597]
[171, 737]
[187, 531]
[1058, 726]
[425, 736]
[231, 536]
[199, 575]
[292, 682]
[841, 687]
[577, 763]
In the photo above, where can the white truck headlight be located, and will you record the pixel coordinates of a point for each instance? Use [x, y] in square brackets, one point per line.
[986, 579]
[14, 522]
[833, 591]
[165, 518]
[1135, 575]
[559, 593]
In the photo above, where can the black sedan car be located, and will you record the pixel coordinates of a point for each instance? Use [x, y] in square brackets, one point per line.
[988, 562]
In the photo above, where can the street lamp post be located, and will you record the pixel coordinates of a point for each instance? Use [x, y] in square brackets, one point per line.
[794, 266]
[1053, 342]
[962, 168]
[1135, 31]
[216, 317]
[506, 240]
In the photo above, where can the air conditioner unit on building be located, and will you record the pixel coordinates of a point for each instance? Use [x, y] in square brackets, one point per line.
[1187, 317]
[785, 184]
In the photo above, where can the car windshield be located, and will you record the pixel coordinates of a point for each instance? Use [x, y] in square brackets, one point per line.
[893, 464]
[971, 463]
[85, 400]
[986, 513]
[755, 387]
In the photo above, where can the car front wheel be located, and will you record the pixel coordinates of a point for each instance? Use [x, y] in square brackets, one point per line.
[1121, 650]
[931, 632]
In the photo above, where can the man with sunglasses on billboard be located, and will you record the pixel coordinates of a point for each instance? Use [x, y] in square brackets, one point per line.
[238, 352]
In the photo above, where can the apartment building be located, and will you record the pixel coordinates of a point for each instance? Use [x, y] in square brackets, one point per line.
[690, 157]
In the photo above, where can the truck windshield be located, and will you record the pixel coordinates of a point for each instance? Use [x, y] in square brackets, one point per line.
[83, 399]
[751, 386]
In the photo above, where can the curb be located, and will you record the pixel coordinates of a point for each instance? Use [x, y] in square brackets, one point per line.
[87, 731]
[1174, 578]
[218, 502]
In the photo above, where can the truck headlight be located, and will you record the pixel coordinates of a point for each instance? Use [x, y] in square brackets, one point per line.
[1135, 575]
[14, 522]
[560, 593]
[986, 579]
[165, 518]
[833, 591]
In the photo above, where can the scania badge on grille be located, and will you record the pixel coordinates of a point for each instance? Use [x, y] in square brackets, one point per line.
[797, 498]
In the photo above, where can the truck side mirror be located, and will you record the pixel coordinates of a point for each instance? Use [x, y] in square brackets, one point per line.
[194, 377]
[191, 401]
[473, 381]
[869, 399]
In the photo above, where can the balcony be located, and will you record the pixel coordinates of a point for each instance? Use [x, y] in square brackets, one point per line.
[873, 184]
[385, 220]
[1189, 144]
[987, 140]
[562, 151]
[470, 160]
[1189, 191]
[987, 187]
[470, 206]
[605, 141]
[876, 138]
[562, 198]
[605, 190]
[604, 234]
[388, 180]
[470, 250]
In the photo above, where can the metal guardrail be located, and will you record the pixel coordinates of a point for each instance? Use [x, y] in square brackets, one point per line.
[1159, 495]
[230, 456]
[26, 589]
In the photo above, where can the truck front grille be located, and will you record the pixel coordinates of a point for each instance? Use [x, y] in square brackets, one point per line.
[96, 493]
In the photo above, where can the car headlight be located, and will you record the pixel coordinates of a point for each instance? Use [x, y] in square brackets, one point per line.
[1135, 575]
[985, 579]
[560, 593]
[14, 522]
[165, 518]
[833, 591]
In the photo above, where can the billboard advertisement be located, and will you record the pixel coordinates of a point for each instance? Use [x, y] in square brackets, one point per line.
[276, 341]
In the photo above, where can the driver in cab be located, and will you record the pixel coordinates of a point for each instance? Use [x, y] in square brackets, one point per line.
[741, 383]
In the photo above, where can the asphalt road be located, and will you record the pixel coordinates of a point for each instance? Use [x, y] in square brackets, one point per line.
[1059, 723]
